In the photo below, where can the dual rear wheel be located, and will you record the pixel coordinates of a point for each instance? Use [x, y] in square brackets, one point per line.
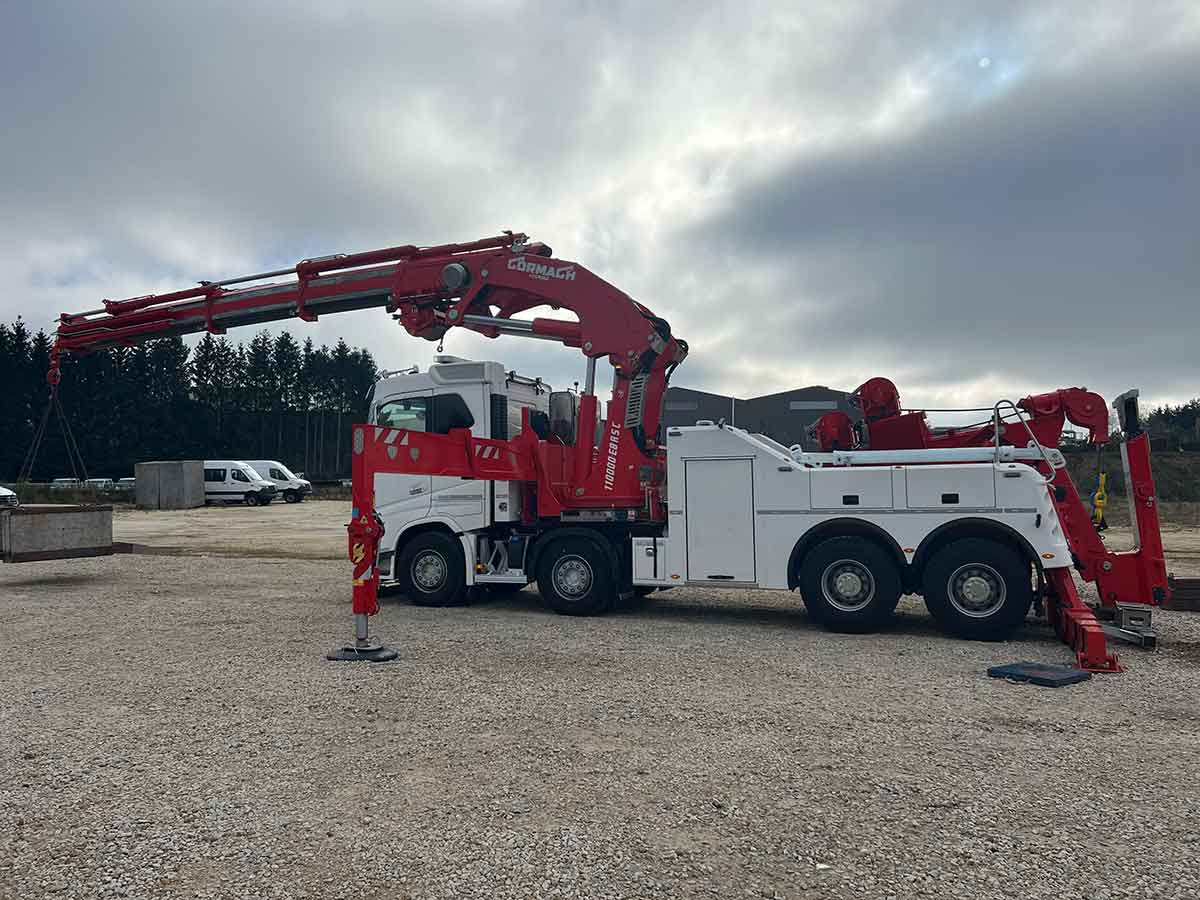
[575, 575]
[974, 587]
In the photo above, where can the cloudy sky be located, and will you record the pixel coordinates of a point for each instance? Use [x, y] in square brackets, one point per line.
[976, 199]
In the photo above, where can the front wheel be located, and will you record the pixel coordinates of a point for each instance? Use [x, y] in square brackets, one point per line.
[575, 577]
[978, 589]
[850, 584]
[291, 496]
[252, 500]
[431, 570]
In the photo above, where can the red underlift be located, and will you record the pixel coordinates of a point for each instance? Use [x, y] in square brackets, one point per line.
[1129, 583]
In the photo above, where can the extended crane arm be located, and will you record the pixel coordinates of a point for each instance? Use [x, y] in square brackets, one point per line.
[481, 286]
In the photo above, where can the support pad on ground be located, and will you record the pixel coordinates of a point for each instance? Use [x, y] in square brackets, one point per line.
[1045, 674]
[363, 653]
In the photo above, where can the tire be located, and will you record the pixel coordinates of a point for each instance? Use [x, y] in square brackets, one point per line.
[430, 570]
[850, 584]
[252, 500]
[978, 589]
[291, 497]
[575, 577]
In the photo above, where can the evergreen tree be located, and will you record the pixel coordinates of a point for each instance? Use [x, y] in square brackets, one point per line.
[272, 398]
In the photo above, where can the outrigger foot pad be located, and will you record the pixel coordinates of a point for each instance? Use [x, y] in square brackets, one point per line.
[363, 653]
[1045, 674]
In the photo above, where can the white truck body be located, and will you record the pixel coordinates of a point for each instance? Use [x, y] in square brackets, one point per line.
[739, 504]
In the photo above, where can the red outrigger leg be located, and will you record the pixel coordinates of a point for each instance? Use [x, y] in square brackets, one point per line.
[364, 532]
[1076, 625]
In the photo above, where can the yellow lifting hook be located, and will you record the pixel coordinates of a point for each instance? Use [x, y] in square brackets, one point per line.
[1099, 501]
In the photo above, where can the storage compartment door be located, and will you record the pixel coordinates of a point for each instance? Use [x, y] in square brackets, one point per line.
[856, 488]
[951, 487]
[720, 519]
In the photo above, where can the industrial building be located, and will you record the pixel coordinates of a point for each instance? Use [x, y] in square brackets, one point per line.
[785, 416]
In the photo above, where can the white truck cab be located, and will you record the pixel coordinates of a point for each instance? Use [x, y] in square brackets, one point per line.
[451, 393]
[233, 481]
[291, 486]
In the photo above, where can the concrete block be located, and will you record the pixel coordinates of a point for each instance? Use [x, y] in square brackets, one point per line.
[35, 533]
[176, 484]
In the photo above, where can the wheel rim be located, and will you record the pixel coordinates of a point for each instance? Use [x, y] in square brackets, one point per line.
[976, 590]
[572, 577]
[847, 585]
[429, 571]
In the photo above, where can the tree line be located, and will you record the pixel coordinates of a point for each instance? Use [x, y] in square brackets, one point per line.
[273, 398]
[1179, 425]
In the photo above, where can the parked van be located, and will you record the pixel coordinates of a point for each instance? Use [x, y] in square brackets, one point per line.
[292, 486]
[231, 480]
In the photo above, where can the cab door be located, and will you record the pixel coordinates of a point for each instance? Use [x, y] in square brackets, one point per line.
[463, 499]
[400, 498]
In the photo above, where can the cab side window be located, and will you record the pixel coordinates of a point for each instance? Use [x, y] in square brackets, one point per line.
[277, 475]
[239, 475]
[407, 413]
[435, 415]
[449, 411]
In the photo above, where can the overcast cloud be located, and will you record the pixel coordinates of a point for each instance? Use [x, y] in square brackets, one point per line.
[975, 200]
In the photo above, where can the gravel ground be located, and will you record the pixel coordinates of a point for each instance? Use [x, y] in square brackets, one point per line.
[314, 529]
[169, 728]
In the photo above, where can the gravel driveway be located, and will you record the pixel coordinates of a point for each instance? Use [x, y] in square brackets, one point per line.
[168, 728]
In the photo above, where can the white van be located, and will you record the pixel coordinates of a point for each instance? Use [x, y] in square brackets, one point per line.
[293, 488]
[231, 480]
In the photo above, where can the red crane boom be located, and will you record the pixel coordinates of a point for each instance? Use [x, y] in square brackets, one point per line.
[481, 286]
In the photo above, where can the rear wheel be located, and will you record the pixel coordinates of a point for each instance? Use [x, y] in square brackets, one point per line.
[575, 577]
[850, 584]
[252, 500]
[978, 588]
[430, 570]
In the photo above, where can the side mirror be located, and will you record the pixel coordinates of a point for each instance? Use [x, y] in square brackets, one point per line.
[1126, 406]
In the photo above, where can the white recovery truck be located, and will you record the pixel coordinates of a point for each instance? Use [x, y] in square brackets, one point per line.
[452, 492]
[969, 528]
